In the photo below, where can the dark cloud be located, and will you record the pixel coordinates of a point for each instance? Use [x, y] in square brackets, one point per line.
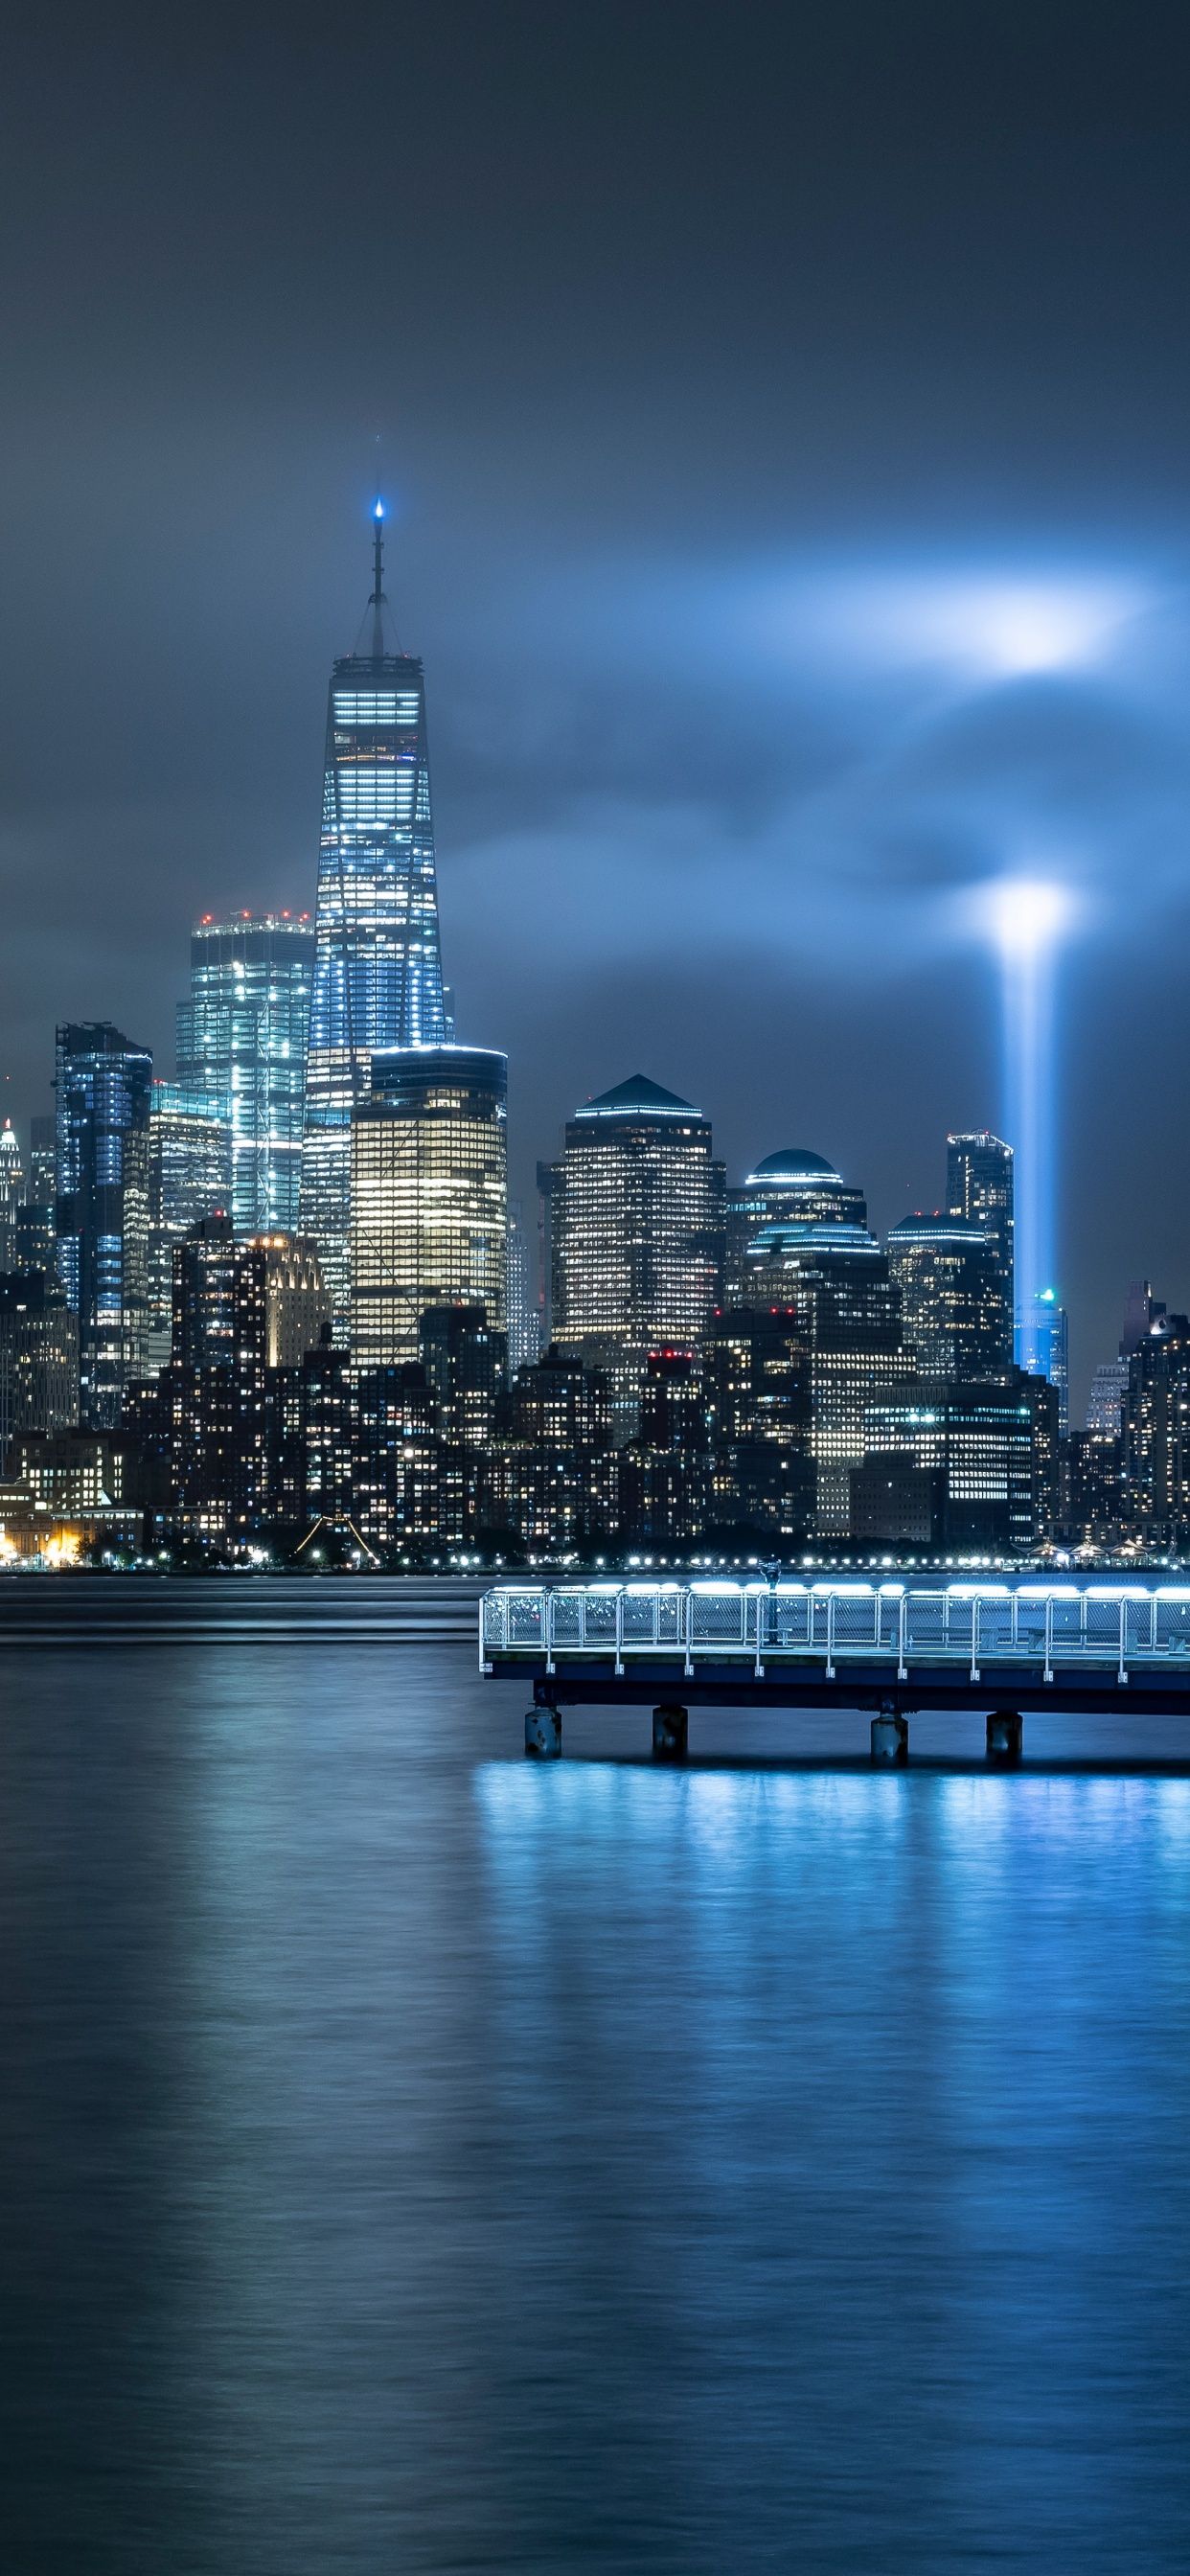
[754, 388]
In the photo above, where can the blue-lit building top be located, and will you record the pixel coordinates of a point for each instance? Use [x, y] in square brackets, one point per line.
[378, 968]
[242, 1047]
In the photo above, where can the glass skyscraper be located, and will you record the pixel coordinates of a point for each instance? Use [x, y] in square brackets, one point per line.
[242, 1045]
[378, 970]
[979, 1189]
[104, 1085]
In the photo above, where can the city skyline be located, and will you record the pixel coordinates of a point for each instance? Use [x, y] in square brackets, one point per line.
[786, 564]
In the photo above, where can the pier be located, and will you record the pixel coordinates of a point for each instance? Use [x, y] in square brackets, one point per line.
[891, 1645]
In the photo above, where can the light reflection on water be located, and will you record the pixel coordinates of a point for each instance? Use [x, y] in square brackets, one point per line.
[413, 2157]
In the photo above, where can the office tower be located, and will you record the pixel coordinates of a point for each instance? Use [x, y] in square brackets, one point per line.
[548, 1177]
[979, 1188]
[1141, 1311]
[947, 1275]
[217, 1380]
[523, 1319]
[104, 1084]
[190, 1177]
[1043, 1347]
[242, 1045]
[637, 1217]
[38, 1358]
[757, 1394]
[789, 1188]
[297, 1308]
[429, 1195]
[378, 971]
[1105, 1403]
[43, 1153]
[1109, 1385]
[835, 1281]
[962, 1467]
[12, 1190]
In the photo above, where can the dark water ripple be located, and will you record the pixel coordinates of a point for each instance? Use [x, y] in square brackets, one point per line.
[413, 2159]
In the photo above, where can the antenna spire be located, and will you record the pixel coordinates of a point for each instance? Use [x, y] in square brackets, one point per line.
[377, 601]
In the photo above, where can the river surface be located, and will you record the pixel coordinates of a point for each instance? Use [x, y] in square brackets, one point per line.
[414, 2159]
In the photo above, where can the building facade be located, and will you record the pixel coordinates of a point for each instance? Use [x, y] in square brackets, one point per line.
[104, 1085]
[947, 1275]
[429, 1196]
[38, 1358]
[835, 1282]
[980, 1190]
[190, 1177]
[793, 1187]
[242, 1049]
[637, 1234]
[378, 968]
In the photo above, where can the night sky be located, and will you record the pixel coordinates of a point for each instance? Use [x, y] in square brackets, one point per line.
[785, 415]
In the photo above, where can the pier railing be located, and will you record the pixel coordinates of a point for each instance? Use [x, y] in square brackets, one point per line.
[960, 1625]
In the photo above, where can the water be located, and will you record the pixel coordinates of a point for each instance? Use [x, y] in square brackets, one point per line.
[411, 2158]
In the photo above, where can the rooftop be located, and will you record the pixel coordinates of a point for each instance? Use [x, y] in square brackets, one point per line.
[638, 1097]
[795, 1166]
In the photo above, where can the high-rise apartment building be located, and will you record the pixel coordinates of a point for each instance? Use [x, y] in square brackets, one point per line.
[216, 1380]
[637, 1234]
[104, 1085]
[429, 1195]
[38, 1359]
[242, 1047]
[378, 969]
[979, 1188]
[947, 1274]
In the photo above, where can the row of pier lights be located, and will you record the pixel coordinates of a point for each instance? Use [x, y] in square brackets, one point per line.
[1004, 1738]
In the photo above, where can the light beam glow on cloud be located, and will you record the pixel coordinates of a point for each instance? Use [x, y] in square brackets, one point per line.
[978, 626]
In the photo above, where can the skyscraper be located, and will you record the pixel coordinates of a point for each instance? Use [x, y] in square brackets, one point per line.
[834, 1280]
[378, 970]
[792, 1187]
[522, 1317]
[242, 1044]
[948, 1277]
[979, 1188]
[429, 1185]
[1043, 1347]
[190, 1177]
[637, 1214]
[12, 1192]
[103, 1085]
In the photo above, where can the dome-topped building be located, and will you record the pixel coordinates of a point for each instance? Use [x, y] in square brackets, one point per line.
[794, 1165]
[791, 1188]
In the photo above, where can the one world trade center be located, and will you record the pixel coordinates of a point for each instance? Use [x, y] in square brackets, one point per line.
[377, 963]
